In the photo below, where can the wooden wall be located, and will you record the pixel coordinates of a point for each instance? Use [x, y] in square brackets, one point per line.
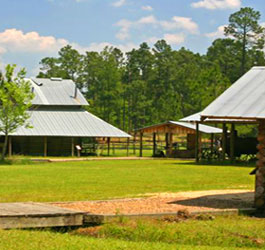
[56, 146]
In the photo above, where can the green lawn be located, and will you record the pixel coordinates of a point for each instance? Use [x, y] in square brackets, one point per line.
[69, 181]
[227, 232]
[110, 179]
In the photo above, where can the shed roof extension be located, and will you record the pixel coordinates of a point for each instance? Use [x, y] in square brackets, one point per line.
[197, 118]
[56, 91]
[245, 99]
[75, 123]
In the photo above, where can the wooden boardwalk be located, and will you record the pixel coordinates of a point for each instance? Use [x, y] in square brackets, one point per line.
[34, 215]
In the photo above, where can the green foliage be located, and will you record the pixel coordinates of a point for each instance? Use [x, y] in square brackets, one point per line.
[15, 99]
[152, 85]
[245, 28]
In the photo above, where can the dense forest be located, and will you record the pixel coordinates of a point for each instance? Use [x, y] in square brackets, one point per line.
[151, 85]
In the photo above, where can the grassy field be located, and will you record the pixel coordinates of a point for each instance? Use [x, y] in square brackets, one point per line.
[110, 179]
[226, 232]
[91, 180]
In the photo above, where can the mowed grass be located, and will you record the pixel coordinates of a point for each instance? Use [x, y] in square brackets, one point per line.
[93, 180]
[226, 232]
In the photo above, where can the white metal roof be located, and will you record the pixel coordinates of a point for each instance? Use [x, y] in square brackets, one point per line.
[202, 128]
[76, 123]
[244, 99]
[56, 91]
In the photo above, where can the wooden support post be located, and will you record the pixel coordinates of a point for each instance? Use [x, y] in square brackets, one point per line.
[128, 144]
[212, 141]
[260, 171]
[73, 147]
[9, 146]
[141, 144]
[167, 144]
[154, 144]
[134, 142]
[170, 144]
[224, 136]
[108, 142]
[45, 146]
[197, 143]
[232, 143]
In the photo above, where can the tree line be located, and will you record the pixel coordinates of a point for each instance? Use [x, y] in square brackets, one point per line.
[151, 85]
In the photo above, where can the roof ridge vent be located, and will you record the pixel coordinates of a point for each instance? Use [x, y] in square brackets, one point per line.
[56, 79]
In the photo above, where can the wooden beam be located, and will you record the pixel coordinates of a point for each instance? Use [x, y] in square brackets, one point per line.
[73, 147]
[9, 146]
[154, 144]
[141, 144]
[108, 142]
[45, 146]
[197, 143]
[224, 141]
[232, 143]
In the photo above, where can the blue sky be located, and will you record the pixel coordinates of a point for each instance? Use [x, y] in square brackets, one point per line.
[33, 29]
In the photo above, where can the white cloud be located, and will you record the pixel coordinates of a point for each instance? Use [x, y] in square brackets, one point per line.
[218, 33]
[100, 46]
[184, 24]
[147, 8]
[147, 20]
[13, 40]
[16, 41]
[124, 30]
[217, 4]
[119, 3]
[174, 39]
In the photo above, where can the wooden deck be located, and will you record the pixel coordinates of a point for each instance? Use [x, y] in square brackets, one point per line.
[34, 215]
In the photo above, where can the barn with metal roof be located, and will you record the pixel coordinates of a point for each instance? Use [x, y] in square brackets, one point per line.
[58, 121]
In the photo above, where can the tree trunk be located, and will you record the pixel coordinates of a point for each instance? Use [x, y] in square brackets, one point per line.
[4, 147]
[243, 62]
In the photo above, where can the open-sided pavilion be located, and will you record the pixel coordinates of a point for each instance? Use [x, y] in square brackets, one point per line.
[171, 128]
[245, 101]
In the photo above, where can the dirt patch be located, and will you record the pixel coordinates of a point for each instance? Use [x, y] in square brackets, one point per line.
[168, 202]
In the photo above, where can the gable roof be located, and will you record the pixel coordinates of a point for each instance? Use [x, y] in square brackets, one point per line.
[190, 126]
[244, 99]
[56, 91]
[75, 123]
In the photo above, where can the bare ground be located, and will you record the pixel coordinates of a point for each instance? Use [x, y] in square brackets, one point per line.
[167, 202]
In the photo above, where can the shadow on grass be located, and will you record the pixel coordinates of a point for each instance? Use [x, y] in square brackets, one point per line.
[220, 201]
[217, 163]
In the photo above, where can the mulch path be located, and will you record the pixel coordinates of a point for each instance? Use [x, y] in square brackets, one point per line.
[167, 203]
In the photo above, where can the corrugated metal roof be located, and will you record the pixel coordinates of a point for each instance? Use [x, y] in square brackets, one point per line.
[56, 92]
[244, 99]
[202, 128]
[78, 123]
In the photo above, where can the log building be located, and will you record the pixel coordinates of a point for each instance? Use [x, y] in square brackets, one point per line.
[245, 100]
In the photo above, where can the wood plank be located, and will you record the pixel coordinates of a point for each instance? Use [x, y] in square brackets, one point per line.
[33, 215]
